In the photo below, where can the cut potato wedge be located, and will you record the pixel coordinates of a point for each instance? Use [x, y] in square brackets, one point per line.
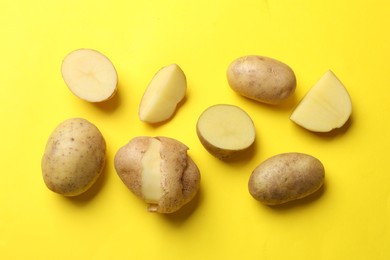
[325, 107]
[225, 130]
[167, 88]
[89, 75]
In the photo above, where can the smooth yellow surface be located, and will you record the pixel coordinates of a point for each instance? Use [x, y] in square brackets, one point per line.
[350, 219]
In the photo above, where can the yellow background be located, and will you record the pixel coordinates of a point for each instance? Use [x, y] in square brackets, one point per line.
[349, 219]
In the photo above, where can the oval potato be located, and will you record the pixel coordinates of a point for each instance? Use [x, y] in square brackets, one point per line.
[286, 177]
[74, 157]
[159, 171]
[262, 79]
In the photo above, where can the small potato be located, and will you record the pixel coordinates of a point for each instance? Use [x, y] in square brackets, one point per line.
[286, 177]
[159, 171]
[262, 79]
[74, 157]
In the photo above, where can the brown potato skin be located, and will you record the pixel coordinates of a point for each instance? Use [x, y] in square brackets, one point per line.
[128, 165]
[179, 186]
[286, 177]
[74, 157]
[262, 79]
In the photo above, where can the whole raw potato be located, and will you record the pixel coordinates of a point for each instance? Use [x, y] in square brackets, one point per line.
[159, 171]
[262, 79]
[74, 157]
[286, 177]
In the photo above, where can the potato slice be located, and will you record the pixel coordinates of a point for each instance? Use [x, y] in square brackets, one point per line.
[325, 107]
[225, 130]
[167, 88]
[89, 75]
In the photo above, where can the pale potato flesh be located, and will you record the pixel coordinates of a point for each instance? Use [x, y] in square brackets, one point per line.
[151, 173]
[226, 128]
[325, 107]
[89, 75]
[165, 91]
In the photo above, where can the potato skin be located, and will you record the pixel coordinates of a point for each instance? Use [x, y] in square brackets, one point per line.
[286, 177]
[262, 79]
[74, 157]
[179, 186]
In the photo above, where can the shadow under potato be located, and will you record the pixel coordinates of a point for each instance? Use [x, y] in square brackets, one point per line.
[111, 104]
[186, 211]
[337, 131]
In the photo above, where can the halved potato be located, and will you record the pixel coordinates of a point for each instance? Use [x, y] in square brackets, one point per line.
[225, 130]
[89, 75]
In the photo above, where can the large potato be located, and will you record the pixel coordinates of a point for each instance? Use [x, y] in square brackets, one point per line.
[74, 157]
[262, 79]
[286, 177]
[159, 171]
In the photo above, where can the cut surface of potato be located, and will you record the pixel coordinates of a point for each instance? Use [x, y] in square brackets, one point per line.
[167, 88]
[151, 173]
[325, 107]
[89, 75]
[262, 78]
[225, 130]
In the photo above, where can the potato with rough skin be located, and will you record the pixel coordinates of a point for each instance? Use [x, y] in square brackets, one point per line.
[286, 177]
[74, 157]
[225, 130]
[262, 79]
[159, 171]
